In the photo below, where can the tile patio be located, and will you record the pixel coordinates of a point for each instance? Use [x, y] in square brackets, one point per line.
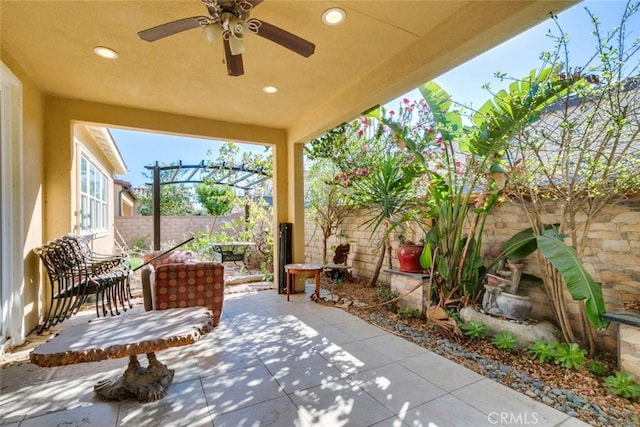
[273, 363]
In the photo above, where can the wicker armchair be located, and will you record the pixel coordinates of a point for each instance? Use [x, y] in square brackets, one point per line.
[177, 280]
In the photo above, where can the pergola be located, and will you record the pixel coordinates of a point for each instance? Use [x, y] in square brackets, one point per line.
[239, 176]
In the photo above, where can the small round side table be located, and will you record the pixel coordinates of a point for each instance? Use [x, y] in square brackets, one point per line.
[307, 269]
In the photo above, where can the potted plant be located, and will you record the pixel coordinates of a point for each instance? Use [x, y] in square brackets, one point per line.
[408, 254]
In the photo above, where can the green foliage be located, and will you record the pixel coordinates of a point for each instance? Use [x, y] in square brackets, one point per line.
[389, 192]
[407, 313]
[474, 330]
[133, 262]
[569, 356]
[385, 294]
[217, 199]
[175, 200]
[505, 341]
[328, 201]
[541, 351]
[597, 367]
[579, 282]
[622, 384]
[139, 245]
[338, 283]
[580, 157]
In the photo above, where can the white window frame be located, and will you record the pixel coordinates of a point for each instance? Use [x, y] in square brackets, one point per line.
[99, 225]
[12, 211]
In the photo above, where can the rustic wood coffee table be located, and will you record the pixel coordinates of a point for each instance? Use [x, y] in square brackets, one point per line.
[306, 269]
[128, 334]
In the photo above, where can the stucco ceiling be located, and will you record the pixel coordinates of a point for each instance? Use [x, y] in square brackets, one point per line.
[383, 49]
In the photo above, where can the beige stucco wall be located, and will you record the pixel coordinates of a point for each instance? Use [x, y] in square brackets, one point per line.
[62, 113]
[33, 191]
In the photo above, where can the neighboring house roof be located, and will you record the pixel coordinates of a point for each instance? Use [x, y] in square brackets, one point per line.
[126, 187]
[107, 145]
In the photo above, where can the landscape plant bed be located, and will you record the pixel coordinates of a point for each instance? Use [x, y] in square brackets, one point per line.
[578, 393]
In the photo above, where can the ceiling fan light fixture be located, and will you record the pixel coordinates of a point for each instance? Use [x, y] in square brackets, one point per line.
[211, 32]
[334, 16]
[105, 52]
[269, 89]
[235, 44]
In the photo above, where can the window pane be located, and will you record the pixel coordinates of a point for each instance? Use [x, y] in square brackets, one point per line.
[83, 175]
[94, 193]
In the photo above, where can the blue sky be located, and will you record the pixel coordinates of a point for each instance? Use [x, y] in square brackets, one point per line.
[515, 57]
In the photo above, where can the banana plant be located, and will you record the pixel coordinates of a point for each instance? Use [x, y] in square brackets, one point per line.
[564, 258]
[462, 166]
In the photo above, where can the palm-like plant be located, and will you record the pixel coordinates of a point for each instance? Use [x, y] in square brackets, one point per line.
[463, 172]
[388, 191]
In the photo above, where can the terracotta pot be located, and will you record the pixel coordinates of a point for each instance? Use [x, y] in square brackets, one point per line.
[409, 258]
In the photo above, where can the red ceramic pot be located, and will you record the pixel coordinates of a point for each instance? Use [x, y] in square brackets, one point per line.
[409, 258]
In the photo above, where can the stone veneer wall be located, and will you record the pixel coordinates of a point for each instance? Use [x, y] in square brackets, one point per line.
[629, 351]
[612, 256]
[172, 228]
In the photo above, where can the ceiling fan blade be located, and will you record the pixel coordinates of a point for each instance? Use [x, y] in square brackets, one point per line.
[286, 39]
[170, 28]
[234, 62]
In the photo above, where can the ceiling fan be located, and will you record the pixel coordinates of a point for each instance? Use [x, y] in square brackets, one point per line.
[229, 20]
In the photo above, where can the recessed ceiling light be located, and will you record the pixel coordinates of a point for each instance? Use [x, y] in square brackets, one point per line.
[105, 52]
[334, 16]
[269, 89]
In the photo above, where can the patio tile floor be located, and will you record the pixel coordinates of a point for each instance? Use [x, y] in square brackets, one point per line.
[276, 363]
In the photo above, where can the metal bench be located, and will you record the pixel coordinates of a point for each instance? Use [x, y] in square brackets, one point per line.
[75, 272]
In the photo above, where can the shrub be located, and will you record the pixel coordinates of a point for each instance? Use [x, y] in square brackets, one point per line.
[541, 351]
[474, 330]
[385, 294]
[505, 341]
[569, 356]
[597, 367]
[622, 384]
[408, 313]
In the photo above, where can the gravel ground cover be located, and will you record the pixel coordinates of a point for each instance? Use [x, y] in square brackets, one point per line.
[578, 393]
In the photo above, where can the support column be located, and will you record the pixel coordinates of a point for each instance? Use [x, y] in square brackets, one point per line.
[156, 207]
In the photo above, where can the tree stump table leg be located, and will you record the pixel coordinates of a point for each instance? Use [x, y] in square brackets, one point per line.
[147, 384]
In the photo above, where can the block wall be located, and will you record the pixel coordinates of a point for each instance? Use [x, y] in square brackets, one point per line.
[173, 229]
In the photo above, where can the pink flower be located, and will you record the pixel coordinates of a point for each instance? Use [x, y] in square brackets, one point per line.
[360, 132]
[343, 175]
[363, 171]
[345, 183]
[406, 101]
[439, 140]
[391, 112]
[365, 148]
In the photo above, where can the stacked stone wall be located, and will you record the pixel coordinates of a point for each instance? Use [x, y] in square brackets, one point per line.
[612, 254]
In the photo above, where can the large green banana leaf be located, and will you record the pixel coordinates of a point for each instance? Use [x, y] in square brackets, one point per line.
[523, 243]
[579, 282]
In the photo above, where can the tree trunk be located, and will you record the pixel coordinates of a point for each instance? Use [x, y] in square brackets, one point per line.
[376, 272]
